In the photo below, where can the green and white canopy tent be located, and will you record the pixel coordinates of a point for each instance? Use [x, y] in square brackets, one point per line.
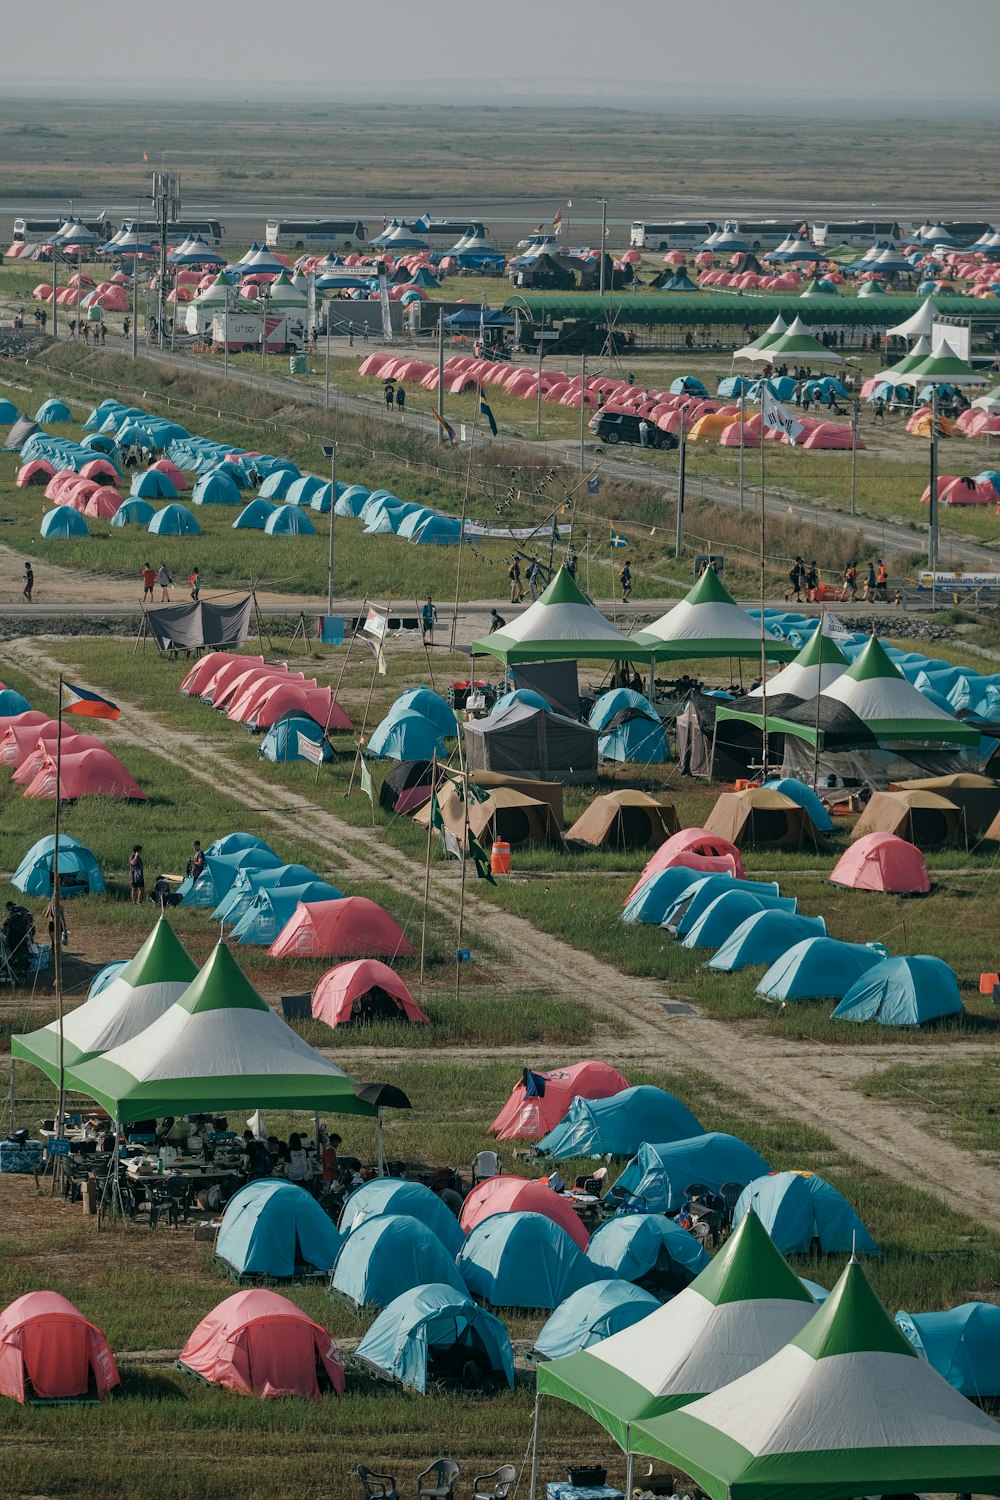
[219, 1046]
[900, 374]
[945, 367]
[562, 625]
[137, 996]
[709, 623]
[891, 707]
[734, 1316]
[797, 343]
[763, 340]
[819, 663]
[847, 1407]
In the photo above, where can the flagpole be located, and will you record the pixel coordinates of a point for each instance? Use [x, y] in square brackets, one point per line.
[743, 411]
[461, 898]
[57, 930]
[368, 704]
[819, 687]
[763, 656]
[427, 863]
[461, 534]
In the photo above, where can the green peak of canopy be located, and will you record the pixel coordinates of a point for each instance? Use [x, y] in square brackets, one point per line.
[820, 650]
[872, 663]
[564, 589]
[162, 959]
[709, 589]
[221, 985]
[852, 1320]
[748, 1267]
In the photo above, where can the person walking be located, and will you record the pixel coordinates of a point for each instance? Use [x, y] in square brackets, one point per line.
[625, 579]
[136, 876]
[879, 415]
[850, 589]
[811, 581]
[516, 588]
[795, 576]
[428, 619]
[881, 581]
[364, 332]
[29, 581]
[389, 398]
[532, 577]
[401, 403]
[165, 581]
[148, 582]
[869, 594]
[194, 583]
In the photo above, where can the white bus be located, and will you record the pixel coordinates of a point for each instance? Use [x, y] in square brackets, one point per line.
[296, 234]
[768, 234]
[210, 230]
[676, 234]
[858, 233]
[42, 231]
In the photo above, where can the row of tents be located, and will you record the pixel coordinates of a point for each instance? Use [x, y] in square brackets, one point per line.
[83, 767]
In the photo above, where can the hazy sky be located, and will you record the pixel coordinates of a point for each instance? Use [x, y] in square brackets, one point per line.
[646, 50]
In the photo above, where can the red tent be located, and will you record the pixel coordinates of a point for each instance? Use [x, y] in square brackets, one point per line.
[352, 927]
[207, 668]
[103, 503]
[694, 848]
[31, 718]
[39, 471]
[172, 472]
[259, 1343]
[315, 702]
[507, 1195]
[882, 862]
[226, 667]
[525, 1117]
[92, 773]
[101, 469]
[49, 1352]
[237, 689]
[19, 740]
[35, 756]
[363, 990]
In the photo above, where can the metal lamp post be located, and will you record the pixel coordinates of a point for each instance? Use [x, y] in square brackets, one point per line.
[330, 451]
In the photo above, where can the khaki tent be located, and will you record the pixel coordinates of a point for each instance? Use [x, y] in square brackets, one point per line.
[760, 816]
[625, 820]
[923, 818]
[545, 791]
[505, 814]
[977, 796]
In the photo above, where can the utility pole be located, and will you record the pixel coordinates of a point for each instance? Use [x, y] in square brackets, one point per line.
[855, 417]
[681, 478]
[330, 450]
[932, 530]
[604, 233]
[167, 207]
[583, 408]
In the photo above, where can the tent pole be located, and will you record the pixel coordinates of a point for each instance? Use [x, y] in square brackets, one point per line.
[536, 1423]
[629, 1462]
[427, 866]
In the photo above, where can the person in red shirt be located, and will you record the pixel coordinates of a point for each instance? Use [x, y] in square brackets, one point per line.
[148, 582]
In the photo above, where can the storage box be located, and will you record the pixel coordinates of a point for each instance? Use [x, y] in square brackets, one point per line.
[17, 1158]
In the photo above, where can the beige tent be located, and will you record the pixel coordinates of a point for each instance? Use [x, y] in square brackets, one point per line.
[762, 816]
[977, 796]
[923, 818]
[545, 791]
[505, 814]
[625, 820]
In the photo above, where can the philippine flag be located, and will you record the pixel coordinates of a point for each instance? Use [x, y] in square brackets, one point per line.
[78, 701]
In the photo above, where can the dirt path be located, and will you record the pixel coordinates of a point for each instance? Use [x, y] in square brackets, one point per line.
[814, 1083]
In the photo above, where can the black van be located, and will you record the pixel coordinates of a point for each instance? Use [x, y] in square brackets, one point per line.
[623, 427]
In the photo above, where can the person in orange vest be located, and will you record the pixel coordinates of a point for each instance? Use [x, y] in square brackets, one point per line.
[881, 581]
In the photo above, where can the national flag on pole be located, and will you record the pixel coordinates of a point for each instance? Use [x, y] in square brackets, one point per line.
[90, 705]
[309, 749]
[618, 540]
[366, 782]
[450, 436]
[479, 855]
[485, 411]
[777, 418]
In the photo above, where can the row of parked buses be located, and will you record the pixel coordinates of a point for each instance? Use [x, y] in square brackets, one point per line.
[766, 234]
[38, 231]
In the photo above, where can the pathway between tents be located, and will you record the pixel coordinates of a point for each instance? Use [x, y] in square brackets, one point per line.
[814, 1083]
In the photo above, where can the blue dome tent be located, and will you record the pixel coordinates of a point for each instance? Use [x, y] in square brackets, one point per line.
[216, 488]
[133, 512]
[731, 387]
[323, 499]
[153, 485]
[53, 410]
[302, 489]
[762, 938]
[524, 1260]
[387, 1256]
[79, 872]
[693, 903]
[902, 992]
[618, 700]
[649, 1249]
[351, 502]
[804, 795]
[250, 879]
[412, 519]
[281, 742]
[276, 485]
[424, 700]
[723, 915]
[657, 1178]
[174, 520]
[255, 516]
[688, 385]
[406, 736]
[438, 531]
[592, 1314]
[12, 702]
[236, 843]
[272, 909]
[962, 1344]
[104, 976]
[61, 523]
[819, 968]
[433, 1332]
[637, 737]
[8, 411]
[276, 1229]
[618, 1125]
[396, 1195]
[521, 695]
[288, 520]
[797, 1208]
[656, 895]
[100, 442]
[218, 875]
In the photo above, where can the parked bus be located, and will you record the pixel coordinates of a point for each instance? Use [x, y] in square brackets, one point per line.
[42, 231]
[768, 234]
[210, 230]
[677, 234]
[296, 234]
[858, 233]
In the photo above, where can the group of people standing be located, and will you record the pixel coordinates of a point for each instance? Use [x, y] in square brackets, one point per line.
[163, 579]
[804, 578]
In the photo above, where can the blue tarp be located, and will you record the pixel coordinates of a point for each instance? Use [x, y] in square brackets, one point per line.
[592, 1314]
[174, 520]
[395, 1195]
[654, 898]
[271, 910]
[133, 512]
[762, 938]
[962, 1344]
[387, 1256]
[78, 868]
[255, 516]
[660, 1172]
[288, 520]
[819, 968]
[406, 736]
[275, 1228]
[617, 1126]
[63, 522]
[524, 1260]
[281, 742]
[795, 1209]
[723, 915]
[807, 799]
[153, 485]
[218, 875]
[250, 879]
[431, 1325]
[424, 700]
[902, 992]
[650, 1249]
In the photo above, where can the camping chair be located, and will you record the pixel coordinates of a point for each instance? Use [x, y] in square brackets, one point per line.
[593, 1182]
[442, 1474]
[500, 1482]
[729, 1192]
[377, 1486]
[485, 1164]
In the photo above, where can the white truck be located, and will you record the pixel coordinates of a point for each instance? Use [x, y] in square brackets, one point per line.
[240, 332]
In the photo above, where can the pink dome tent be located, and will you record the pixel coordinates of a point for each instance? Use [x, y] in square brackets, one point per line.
[73, 743]
[528, 1116]
[696, 849]
[364, 990]
[503, 1195]
[352, 927]
[49, 1352]
[258, 1343]
[38, 472]
[103, 503]
[882, 862]
[92, 773]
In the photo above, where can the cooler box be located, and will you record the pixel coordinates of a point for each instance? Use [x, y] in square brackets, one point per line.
[17, 1158]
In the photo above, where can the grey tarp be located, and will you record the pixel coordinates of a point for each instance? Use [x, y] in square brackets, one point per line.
[557, 681]
[526, 741]
[188, 627]
[19, 434]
